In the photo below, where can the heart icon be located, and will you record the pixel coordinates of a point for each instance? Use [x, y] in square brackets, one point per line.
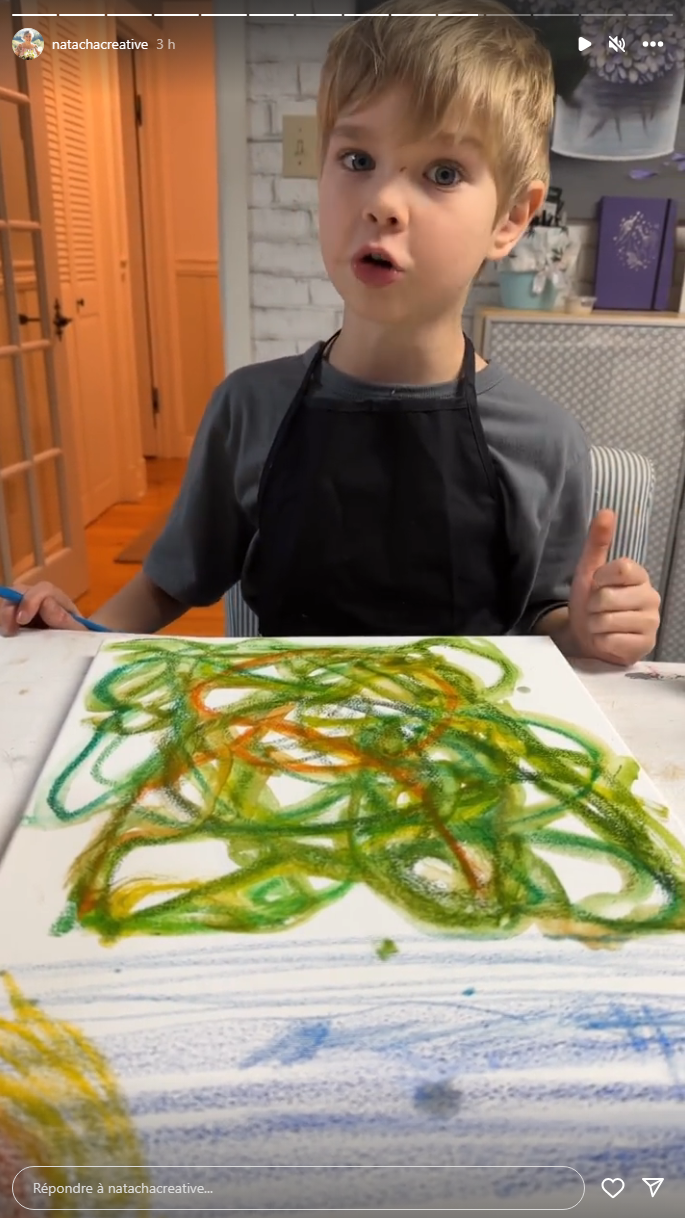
[613, 1187]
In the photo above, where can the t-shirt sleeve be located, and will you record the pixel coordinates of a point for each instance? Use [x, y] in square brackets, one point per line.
[200, 553]
[566, 535]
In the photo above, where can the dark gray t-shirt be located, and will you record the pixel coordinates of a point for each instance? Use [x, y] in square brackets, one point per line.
[211, 541]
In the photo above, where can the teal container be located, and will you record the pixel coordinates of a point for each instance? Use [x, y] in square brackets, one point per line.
[516, 291]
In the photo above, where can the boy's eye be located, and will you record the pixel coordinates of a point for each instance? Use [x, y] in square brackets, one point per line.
[445, 175]
[357, 161]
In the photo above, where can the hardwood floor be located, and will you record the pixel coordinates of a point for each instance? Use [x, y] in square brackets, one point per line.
[107, 537]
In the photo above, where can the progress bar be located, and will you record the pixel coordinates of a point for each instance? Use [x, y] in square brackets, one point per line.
[622, 16]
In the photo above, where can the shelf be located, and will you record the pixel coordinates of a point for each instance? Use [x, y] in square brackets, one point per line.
[625, 317]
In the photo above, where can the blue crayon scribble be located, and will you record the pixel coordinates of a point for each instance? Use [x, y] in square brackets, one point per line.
[539, 1057]
[645, 1030]
[300, 1043]
[438, 1099]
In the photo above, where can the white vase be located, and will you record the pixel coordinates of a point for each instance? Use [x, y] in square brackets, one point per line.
[608, 121]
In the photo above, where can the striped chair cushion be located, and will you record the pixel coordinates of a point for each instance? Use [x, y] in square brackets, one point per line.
[241, 622]
[622, 481]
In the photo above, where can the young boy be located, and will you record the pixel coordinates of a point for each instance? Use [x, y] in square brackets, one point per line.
[390, 482]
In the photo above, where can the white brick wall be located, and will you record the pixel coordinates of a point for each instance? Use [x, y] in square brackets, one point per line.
[293, 304]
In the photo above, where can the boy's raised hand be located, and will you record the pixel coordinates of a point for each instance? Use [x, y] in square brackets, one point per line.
[613, 608]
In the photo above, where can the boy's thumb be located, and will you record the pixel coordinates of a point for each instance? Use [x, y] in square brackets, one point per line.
[598, 544]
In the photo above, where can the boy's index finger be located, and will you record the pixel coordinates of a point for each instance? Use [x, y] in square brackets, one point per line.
[28, 601]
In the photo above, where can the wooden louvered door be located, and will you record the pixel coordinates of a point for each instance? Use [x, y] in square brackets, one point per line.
[72, 99]
[41, 529]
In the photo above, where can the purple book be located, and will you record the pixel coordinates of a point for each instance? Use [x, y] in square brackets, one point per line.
[635, 255]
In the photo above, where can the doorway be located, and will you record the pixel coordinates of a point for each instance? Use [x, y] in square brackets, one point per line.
[131, 100]
[41, 529]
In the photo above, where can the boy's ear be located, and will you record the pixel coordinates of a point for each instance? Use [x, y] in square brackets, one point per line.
[513, 225]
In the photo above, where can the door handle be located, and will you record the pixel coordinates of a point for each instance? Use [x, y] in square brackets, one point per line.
[59, 320]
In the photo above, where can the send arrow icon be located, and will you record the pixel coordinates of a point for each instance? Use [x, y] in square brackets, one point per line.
[653, 1184]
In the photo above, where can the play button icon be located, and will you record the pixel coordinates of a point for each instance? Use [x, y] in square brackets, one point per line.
[584, 43]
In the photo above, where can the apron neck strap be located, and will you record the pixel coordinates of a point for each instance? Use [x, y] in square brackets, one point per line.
[466, 373]
[327, 347]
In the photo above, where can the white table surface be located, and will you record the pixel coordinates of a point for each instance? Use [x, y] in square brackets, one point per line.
[40, 673]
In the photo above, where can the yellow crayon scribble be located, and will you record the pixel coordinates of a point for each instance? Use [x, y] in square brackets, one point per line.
[59, 1104]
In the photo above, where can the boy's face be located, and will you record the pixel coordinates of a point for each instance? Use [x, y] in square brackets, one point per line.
[431, 204]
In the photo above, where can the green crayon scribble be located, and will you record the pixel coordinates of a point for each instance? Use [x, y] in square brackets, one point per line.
[386, 948]
[416, 778]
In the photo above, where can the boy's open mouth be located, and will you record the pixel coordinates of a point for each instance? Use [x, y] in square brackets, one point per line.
[370, 255]
[375, 268]
[379, 260]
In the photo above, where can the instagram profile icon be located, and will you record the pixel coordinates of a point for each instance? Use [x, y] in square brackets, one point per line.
[28, 44]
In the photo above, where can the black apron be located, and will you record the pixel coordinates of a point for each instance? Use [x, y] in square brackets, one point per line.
[383, 517]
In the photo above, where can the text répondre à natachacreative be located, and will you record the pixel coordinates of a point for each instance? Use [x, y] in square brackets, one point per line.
[52, 1189]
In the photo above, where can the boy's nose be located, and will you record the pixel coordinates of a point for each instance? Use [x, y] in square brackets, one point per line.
[386, 210]
[386, 204]
[377, 216]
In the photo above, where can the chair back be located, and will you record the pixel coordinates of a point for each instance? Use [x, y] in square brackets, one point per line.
[624, 481]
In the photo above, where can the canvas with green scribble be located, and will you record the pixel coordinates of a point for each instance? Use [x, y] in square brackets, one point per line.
[364, 902]
[238, 788]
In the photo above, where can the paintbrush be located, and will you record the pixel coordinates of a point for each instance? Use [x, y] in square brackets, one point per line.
[11, 594]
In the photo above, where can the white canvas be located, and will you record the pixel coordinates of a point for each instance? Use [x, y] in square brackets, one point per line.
[361, 1036]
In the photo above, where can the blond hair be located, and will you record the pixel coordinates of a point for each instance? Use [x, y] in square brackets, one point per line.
[488, 73]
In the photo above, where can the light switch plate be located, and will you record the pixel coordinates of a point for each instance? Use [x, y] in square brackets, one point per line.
[300, 145]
